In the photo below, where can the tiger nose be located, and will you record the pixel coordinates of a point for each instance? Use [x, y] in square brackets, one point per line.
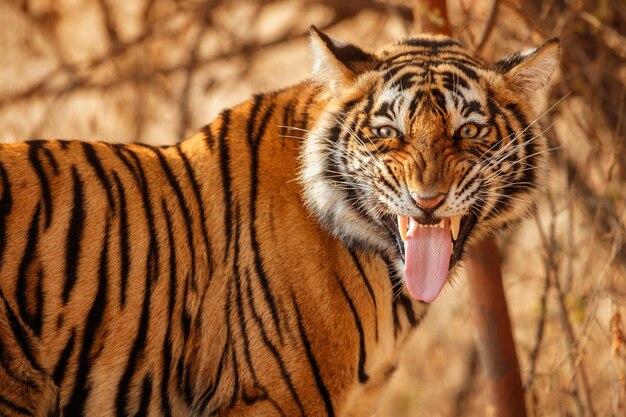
[428, 202]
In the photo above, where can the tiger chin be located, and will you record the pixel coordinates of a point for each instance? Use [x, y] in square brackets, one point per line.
[274, 263]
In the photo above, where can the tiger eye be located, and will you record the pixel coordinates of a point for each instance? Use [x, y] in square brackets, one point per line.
[385, 132]
[469, 131]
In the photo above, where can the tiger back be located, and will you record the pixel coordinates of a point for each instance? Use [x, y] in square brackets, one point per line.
[260, 266]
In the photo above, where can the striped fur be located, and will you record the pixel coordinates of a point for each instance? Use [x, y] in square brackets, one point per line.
[249, 270]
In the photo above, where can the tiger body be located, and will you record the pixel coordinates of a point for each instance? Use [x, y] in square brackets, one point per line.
[209, 278]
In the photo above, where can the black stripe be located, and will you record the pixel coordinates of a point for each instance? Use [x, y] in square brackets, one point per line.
[195, 186]
[363, 377]
[6, 204]
[53, 162]
[146, 395]
[234, 388]
[167, 343]
[124, 240]
[255, 138]
[452, 81]
[76, 404]
[184, 381]
[406, 81]
[369, 289]
[243, 326]
[473, 106]
[384, 109]
[417, 97]
[530, 148]
[37, 321]
[279, 361]
[173, 181]
[396, 284]
[74, 236]
[224, 165]
[16, 408]
[94, 161]
[152, 258]
[465, 69]
[257, 101]
[61, 366]
[462, 187]
[206, 396]
[440, 101]
[307, 106]
[431, 43]
[236, 275]
[319, 382]
[288, 118]
[186, 315]
[152, 272]
[33, 157]
[208, 136]
[135, 353]
[119, 152]
[390, 72]
[235, 385]
[407, 305]
[21, 288]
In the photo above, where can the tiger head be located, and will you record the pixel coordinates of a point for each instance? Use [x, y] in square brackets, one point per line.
[423, 147]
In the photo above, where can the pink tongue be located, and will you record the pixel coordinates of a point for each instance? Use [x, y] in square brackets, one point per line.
[427, 259]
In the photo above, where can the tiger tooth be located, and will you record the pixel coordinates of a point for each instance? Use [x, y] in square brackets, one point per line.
[440, 224]
[455, 223]
[402, 225]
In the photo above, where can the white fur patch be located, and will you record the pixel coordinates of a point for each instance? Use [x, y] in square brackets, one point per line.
[331, 203]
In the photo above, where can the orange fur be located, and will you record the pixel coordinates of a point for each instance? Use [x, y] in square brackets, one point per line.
[192, 280]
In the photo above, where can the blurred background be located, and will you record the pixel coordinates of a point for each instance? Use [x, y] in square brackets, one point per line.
[154, 71]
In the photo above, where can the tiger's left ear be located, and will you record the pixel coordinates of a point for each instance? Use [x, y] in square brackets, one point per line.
[336, 63]
[529, 71]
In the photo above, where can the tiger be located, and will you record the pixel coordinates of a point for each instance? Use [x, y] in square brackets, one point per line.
[275, 262]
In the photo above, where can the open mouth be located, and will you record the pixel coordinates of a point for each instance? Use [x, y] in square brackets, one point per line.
[430, 247]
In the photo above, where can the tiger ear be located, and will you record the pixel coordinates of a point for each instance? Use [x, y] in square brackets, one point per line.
[337, 63]
[529, 71]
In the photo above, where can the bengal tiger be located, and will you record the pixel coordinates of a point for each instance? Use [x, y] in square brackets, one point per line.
[275, 262]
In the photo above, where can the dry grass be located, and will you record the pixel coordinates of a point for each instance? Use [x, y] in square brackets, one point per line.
[155, 70]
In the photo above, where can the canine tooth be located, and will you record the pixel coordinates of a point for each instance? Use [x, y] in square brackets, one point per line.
[402, 226]
[441, 224]
[455, 222]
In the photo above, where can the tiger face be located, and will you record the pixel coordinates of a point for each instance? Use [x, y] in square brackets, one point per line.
[423, 147]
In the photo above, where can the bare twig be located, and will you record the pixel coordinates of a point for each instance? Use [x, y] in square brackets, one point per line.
[539, 332]
[491, 22]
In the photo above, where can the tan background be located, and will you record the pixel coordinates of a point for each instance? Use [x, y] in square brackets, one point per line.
[156, 70]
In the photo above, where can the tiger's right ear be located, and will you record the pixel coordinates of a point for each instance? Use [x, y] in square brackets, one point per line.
[337, 63]
[528, 72]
